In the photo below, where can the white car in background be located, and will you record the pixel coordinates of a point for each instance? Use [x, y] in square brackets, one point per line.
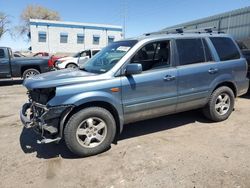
[78, 58]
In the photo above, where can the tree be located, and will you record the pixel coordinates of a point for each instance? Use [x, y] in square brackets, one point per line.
[4, 23]
[35, 12]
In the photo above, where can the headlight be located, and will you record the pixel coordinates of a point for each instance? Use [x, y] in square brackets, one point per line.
[58, 62]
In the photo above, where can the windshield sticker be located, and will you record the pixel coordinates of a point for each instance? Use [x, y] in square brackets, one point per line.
[123, 48]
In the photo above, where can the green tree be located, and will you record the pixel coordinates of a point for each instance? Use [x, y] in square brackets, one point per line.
[4, 24]
[35, 12]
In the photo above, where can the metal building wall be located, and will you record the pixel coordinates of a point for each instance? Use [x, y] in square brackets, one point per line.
[236, 23]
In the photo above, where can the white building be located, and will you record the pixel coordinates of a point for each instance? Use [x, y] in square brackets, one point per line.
[70, 37]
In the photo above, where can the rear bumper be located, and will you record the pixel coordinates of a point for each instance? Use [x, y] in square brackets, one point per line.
[45, 121]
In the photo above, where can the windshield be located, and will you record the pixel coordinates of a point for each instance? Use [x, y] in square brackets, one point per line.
[108, 57]
[77, 54]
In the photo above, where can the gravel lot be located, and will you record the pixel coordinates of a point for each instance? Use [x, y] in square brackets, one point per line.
[183, 150]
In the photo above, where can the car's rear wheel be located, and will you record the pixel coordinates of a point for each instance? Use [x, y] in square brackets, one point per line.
[71, 65]
[30, 72]
[220, 105]
[90, 131]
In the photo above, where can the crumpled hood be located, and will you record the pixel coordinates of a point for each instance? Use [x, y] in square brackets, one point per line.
[59, 78]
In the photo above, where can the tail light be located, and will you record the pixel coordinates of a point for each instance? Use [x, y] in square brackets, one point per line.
[51, 62]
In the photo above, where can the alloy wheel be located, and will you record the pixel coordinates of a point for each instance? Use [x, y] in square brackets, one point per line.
[222, 104]
[91, 132]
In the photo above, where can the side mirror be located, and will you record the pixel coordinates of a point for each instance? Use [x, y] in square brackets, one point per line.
[135, 68]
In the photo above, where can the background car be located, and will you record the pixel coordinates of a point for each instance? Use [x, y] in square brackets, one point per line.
[75, 61]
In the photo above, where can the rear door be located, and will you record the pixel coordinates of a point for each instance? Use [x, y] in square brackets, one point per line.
[196, 72]
[5, 71]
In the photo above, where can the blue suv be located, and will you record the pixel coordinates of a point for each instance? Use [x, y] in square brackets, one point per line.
[132, 80]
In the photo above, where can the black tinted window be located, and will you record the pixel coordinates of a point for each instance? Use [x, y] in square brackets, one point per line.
[225, 48]
[2, 53]
[190, 51]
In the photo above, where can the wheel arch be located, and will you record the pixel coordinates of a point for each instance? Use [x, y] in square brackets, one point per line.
[229, 84]
[24, 68]
[103, 104]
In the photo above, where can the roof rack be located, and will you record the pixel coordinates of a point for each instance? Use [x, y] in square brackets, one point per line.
[172, 31]
[182, 31]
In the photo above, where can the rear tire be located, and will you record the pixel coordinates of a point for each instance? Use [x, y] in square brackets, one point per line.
[220, 104]
[90, 131]
[30, 72]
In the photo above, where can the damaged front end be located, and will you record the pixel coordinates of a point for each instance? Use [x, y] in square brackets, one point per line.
[44, 119]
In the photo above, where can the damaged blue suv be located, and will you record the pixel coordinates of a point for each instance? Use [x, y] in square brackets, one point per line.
[133, 80]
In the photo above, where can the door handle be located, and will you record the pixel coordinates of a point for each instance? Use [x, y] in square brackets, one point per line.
[169, 78]
[213, 70]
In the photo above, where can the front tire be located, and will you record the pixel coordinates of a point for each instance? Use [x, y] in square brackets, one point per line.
[220, 104]
[90, 131]
[71, 65]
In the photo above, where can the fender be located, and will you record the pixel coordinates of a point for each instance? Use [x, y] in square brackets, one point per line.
[219, 80]
[92, 96]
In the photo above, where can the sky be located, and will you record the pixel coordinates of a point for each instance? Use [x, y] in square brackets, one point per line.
[142, 16]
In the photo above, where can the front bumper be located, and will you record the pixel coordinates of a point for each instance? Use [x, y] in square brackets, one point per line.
[47, 121]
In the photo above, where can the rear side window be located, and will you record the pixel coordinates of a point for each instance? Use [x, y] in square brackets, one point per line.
[225, 48]
[2, 53]
[190, 51]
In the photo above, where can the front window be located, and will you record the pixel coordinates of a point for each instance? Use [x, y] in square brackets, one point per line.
[153, 55]
[108, 57]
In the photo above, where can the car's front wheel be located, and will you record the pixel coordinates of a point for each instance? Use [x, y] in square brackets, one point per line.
[220, 104]
[71, 66]
[90, 131]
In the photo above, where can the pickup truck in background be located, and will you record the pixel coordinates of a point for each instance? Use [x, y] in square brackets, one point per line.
[21, 67]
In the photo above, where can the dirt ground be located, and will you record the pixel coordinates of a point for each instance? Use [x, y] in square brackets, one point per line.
[182, 150]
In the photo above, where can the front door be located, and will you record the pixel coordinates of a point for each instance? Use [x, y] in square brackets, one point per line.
[4, 65]
[153, 92]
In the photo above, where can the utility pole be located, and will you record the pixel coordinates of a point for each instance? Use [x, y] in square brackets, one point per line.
[124, 15]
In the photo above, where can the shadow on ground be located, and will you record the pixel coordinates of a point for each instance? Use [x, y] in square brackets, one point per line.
[10, 82]
[28, 138]
[246, 96]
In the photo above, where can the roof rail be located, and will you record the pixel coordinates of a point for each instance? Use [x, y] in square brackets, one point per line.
[202, 30]
[182, 31]
[172, 31]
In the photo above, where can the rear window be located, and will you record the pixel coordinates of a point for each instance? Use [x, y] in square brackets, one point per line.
[225, 48]
[190, 51]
